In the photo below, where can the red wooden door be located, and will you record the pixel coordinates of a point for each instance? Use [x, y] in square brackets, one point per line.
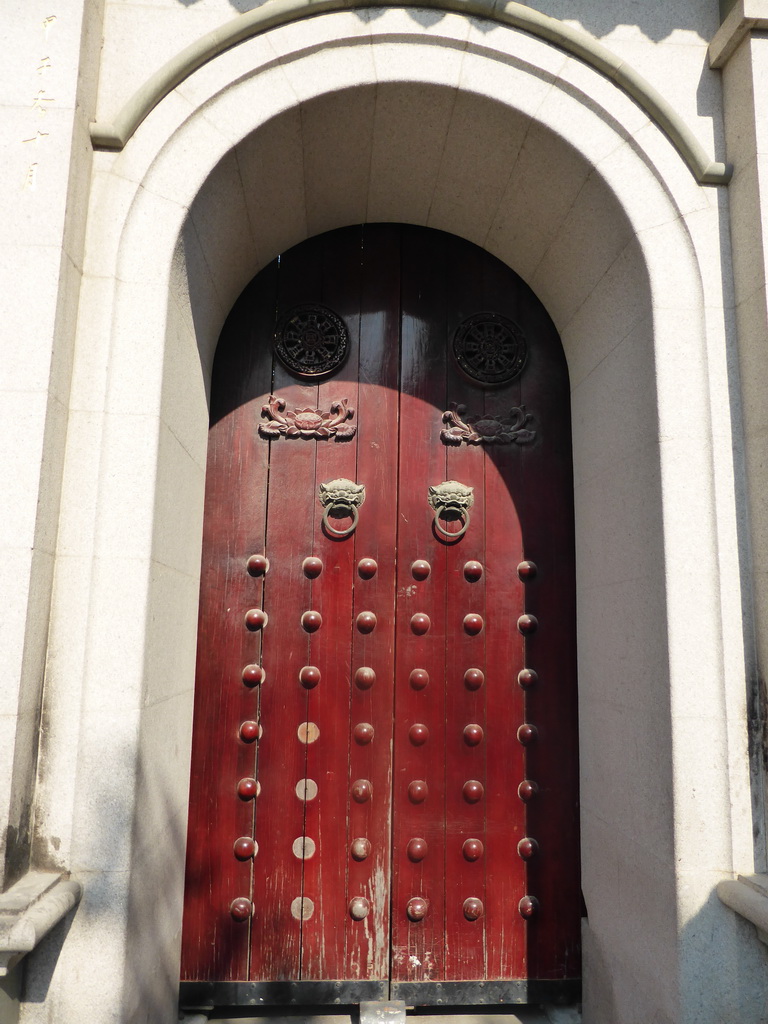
[384, 768]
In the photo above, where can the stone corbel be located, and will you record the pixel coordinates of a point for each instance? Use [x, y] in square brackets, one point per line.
[28, 911]
[748, 896]
[744, 17]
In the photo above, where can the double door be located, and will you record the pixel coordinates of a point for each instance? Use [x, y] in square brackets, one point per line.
[384, 773]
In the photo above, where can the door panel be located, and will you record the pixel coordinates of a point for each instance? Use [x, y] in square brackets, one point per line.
[377, 415]
[384, 846]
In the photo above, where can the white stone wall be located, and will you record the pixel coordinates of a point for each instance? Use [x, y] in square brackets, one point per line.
[49, 75]
[472, 128]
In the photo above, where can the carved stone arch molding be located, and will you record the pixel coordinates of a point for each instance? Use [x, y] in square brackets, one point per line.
[604, 221]
[514, 15]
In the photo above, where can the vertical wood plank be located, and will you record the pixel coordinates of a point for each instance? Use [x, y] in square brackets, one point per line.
[214, 945]
[278, 872]
[338, 288]
[552, 761]
[418, 946]
[505, 872]
[367, 941]
[465, 760]
[505, 869]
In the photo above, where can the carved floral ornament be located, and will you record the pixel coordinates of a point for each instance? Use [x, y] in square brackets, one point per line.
[307, 423]
[480, 429]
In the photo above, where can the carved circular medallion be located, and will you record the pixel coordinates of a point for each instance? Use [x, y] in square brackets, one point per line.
[311, 341]
[490, 348]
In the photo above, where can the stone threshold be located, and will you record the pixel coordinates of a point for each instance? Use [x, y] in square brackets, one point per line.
[521, 1015]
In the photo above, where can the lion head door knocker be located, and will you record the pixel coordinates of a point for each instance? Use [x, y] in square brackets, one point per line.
[451, 501]
[341, 499]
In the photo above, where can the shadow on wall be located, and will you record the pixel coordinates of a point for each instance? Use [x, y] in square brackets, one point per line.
[151, 964]
[744, 960]
[656, 21]
[155, 908]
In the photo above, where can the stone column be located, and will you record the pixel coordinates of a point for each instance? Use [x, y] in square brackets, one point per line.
[740, 48]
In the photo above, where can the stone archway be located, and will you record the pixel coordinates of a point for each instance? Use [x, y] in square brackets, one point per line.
[501, 140]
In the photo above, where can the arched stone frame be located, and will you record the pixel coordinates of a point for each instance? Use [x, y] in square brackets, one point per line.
[338, 120]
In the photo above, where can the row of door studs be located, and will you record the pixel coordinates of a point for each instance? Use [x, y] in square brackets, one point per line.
[311, 620]
[418, 790]
[365, 677]
[361, 848]
[363, 733]
[312, 566]
[416, 909]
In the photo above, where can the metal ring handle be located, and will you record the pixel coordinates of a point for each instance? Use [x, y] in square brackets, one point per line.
[350, 509]
[463, 514]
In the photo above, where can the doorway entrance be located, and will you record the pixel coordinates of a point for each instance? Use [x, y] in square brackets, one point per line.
[384, 769]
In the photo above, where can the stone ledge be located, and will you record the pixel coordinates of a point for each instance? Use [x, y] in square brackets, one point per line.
[745, 16]
[748, 896]
[29, 910]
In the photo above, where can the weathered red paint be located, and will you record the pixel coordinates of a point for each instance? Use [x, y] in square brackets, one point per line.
[416, 694]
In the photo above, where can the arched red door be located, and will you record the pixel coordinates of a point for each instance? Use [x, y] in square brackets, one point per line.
[384, 767]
